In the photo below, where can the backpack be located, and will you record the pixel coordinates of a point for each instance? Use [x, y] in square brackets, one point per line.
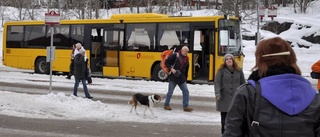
[164, 55]
[315, 75]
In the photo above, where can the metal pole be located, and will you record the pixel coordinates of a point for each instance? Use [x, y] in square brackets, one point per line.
[51, 48]
[258, 23]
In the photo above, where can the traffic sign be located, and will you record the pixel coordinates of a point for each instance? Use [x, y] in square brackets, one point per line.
[52, 18]
[51, 52]
[262, 10]
[272, 11]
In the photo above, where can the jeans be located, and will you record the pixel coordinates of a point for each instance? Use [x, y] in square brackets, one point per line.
[76, 85]
[185, 93]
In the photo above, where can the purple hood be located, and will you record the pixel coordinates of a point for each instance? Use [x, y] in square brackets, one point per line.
[290, 93]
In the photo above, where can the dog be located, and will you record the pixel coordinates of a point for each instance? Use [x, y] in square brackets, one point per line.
[147, 101]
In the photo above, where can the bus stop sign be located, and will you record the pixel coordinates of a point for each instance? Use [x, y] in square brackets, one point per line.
[52, 18]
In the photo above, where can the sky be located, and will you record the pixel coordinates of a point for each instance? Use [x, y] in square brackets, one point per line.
[65, 106]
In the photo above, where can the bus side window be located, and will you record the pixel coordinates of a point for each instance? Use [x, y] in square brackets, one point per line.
[15, 37]
[161, 48]
[223, 49]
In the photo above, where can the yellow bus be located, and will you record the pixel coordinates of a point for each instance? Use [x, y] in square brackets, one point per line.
[125, 45]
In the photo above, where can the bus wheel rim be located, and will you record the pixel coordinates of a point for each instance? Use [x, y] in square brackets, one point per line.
[162, 75]
[43, 66]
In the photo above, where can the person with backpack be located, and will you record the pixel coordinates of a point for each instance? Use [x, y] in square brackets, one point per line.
[316, 68]
[277, 101]
[178, 64]
[228, 78]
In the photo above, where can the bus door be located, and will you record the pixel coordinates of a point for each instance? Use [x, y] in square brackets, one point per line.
[111, 45]
[93, 42]
[203, 54]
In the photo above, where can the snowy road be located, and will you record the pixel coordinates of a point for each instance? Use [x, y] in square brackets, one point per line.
[42, 127]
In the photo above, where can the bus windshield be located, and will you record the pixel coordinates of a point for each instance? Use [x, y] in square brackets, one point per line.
[229, 37]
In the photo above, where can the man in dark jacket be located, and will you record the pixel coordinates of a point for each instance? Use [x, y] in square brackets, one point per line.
[80, 72]
[289, 105]
[178, 63]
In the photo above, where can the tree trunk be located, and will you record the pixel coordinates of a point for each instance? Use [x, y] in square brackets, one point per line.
[301, 5]
[217, 1]
[97, 8]
[149, 10]
[90, 9]
[305, 5]
[284, 3]
[294, 6]
[266, 3]
[131, 6]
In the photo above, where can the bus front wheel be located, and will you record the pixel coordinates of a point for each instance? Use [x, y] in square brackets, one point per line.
[42, 66]
[158, 74]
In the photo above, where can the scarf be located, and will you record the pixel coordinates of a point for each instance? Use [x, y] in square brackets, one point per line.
[275, 70]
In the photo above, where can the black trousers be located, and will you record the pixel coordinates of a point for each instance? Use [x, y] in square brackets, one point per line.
[71, 68]
[223, 119]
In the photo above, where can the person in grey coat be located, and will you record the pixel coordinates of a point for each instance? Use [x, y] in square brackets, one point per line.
[228, 78]
[80, 72]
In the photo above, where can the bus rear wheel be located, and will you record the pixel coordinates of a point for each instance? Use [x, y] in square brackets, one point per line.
[158, 74]
[42, 66]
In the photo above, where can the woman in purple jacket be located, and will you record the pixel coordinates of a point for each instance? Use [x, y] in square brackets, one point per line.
[289, 105]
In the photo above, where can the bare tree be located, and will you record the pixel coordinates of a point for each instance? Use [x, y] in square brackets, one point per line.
[31, 11]
[78, 8]
[20, 4]
[217, 1]
[265, 3]
[90, 8]
[97, 7]
[302, 4]
[235, 7]
[284, 3]
[2, 9]
[163, 6]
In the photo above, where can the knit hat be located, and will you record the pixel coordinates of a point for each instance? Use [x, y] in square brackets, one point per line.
[228, 54]
[81, 51]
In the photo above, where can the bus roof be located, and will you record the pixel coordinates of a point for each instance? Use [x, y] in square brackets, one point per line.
[128, 18]
[142, 15]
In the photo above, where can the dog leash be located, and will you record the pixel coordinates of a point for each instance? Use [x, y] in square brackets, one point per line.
[164, 96]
